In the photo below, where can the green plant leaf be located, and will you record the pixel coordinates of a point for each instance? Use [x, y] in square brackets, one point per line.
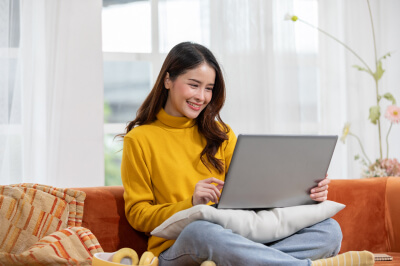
[360, 68]
[356, 157]
[374, 114]
[388, 96]
[363, 162]
[379, 71]
[385, 56]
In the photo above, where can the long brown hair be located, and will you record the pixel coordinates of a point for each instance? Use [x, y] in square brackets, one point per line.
[183, 57]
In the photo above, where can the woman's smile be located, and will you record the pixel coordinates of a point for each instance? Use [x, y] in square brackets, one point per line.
[194, 106]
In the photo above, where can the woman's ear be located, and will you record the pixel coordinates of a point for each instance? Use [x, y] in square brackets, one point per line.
[167, 81]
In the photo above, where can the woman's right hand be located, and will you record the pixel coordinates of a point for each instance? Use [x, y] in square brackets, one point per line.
[205, 191]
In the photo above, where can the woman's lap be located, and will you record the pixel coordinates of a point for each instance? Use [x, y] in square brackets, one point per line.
[202, 240]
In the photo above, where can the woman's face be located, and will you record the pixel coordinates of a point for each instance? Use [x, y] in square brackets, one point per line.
[190, 92]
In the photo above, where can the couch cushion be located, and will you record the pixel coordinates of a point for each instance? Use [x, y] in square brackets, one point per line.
[105, 217]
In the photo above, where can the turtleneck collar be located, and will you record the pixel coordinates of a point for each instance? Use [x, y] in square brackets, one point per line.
[175, 121]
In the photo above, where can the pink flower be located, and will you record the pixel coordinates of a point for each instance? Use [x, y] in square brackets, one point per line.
[393, 113]
[392, 166]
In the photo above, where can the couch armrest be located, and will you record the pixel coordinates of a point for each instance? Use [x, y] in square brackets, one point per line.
[363, 221]
[104, 215]
[393, 213]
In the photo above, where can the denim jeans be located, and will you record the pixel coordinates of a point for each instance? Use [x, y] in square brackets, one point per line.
[203, 240]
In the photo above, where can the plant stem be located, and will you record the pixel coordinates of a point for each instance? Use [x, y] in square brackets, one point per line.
[362, 148]
[376, 79]
[373, 33]
[342, 43]
[379, 120]
[387, 141]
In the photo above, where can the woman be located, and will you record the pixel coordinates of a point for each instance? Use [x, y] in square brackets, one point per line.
[176, 154]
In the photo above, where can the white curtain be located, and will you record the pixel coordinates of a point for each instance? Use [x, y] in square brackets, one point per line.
[256, 48]
[263, 71]
[10, 95]
[59, 92]
[346, 93]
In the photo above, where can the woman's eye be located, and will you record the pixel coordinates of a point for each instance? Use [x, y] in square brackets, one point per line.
[194, 85]
[210, 89]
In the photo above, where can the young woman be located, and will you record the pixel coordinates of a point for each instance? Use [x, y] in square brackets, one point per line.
[175, 156]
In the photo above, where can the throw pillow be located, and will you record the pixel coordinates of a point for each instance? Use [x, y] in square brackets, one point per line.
[262, 226]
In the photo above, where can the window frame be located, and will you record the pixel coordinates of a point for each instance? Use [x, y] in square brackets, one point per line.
[155, 58]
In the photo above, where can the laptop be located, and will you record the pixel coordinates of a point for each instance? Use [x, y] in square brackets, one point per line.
[269, 171]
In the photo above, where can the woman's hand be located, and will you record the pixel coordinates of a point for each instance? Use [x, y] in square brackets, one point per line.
[204, 191]
[320, 192]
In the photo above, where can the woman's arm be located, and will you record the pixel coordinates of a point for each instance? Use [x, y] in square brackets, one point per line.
[141, 209]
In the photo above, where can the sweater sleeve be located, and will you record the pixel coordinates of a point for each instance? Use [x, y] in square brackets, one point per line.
[141, 210]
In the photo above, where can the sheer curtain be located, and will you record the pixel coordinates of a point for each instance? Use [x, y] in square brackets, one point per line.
[58, 91]
[10, 101]
[264, 71]
[257, 51]
[346, 93]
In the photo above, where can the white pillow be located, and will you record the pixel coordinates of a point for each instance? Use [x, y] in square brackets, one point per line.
[263, 226]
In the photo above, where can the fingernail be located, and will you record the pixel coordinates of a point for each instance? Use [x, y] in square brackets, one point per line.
[312, 190]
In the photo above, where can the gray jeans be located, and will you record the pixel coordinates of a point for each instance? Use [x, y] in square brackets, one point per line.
[202, 240]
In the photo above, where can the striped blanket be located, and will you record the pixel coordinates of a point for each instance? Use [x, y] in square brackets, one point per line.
[41, 225]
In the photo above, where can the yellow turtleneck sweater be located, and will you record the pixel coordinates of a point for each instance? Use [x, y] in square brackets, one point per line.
[160, 167]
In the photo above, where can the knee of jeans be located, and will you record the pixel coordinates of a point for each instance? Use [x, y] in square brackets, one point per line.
[199, 231]
[334, 236]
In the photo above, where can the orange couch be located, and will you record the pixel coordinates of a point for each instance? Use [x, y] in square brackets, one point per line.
[370, 221]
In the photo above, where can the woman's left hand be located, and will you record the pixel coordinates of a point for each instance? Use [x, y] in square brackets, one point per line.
[320, 192]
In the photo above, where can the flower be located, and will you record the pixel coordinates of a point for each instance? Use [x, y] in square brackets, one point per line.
[291, 17]
[374, 170]
[346, 131]
[392, 166]
[384, 167]
[393, 114]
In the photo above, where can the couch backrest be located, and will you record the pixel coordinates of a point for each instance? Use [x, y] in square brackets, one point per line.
[371, 219]
[104, 215]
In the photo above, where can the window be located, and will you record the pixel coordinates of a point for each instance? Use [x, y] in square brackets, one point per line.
[136, 37]
[126, 85]
[183, 20]
[138, 34]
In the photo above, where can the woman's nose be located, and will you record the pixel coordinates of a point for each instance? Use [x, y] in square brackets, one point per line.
[200, 94]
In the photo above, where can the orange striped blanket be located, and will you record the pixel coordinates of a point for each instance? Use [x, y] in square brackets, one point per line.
[40, 225]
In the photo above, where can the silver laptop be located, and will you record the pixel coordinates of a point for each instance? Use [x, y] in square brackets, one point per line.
[269, 171]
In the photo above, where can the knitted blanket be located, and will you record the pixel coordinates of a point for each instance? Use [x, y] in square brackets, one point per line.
[41, 225]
